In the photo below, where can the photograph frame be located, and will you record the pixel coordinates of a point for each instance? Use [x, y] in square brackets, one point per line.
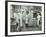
[6, 18]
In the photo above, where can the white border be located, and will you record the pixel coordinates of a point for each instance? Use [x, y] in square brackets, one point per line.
[27, 32]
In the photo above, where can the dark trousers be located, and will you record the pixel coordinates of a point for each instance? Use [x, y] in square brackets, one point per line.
[26, 25]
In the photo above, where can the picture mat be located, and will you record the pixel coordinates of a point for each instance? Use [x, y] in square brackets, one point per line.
[25, 32]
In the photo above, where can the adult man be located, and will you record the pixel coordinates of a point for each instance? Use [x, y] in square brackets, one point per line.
[27, 19]
[38, 18]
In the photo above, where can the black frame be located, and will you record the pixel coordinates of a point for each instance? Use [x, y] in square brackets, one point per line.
[6, 18]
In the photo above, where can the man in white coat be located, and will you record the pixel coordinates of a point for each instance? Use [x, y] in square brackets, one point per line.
[38, 18]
